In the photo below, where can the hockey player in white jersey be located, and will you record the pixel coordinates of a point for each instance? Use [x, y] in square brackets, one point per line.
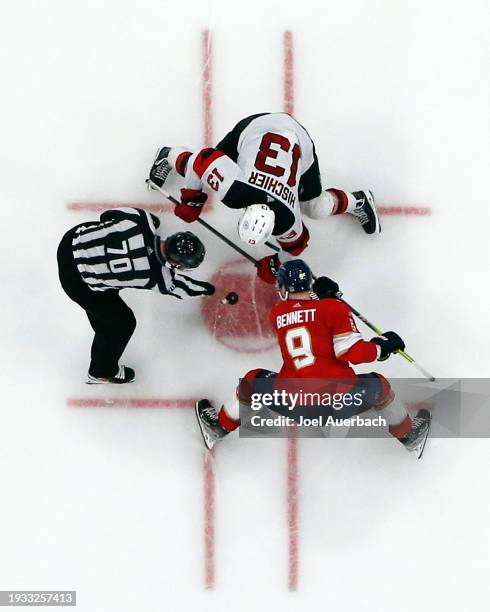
[267, 166]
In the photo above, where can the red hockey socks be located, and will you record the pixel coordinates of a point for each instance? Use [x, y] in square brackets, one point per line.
[344, 201]
[226, 421]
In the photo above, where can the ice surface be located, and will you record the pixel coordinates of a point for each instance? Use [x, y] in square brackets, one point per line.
[110, 501]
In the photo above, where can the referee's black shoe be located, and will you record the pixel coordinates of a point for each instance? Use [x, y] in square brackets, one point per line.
[124, 375]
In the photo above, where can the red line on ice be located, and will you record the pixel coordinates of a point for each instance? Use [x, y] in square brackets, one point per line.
[161, 207]
[167, 207]
[293, 513]
[417, 211]
[292, 483]
[288, 72]
[208, 474]
[208, 458]
[207, 87]
[129, 402]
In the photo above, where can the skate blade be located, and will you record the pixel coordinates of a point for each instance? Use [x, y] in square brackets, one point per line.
[96, 381]
[424, 441]
[106, 381]
[151, 186]
[208, 440]
[370, 199]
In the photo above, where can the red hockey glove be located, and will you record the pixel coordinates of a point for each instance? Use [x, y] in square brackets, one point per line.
[299, 245]
[267, 268]
[190, 206]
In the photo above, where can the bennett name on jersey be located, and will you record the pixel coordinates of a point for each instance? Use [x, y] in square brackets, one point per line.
[292, 318]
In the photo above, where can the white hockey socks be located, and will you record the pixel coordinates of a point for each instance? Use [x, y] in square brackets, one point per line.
[329, 202]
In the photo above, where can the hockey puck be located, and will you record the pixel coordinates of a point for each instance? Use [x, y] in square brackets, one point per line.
[230, 298]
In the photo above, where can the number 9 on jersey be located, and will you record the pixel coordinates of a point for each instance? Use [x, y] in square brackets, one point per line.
[298, 343]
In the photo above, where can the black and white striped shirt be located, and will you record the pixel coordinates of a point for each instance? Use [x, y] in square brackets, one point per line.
[122, 250]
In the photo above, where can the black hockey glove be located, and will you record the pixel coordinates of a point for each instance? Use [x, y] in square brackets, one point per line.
[390, 342]
[325, 287]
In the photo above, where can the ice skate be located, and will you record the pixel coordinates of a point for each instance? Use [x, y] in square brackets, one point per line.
[124, 375]
[366, 213]
[417, 438]
[207, 417]
[160, 170]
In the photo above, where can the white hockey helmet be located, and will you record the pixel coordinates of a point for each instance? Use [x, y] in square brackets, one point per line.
[256, 224]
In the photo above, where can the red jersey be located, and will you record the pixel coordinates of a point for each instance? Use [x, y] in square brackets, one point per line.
[318, 339]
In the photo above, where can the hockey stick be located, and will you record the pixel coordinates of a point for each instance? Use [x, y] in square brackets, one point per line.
[275, 248]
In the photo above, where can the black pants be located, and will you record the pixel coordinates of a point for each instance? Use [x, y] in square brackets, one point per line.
[110, 317]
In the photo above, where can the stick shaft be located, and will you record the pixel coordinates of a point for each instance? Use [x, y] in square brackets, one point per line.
[214, 231]
[226, 240]
[275, 248]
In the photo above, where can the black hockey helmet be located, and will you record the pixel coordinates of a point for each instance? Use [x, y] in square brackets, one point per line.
[184, 250]
[294, 276]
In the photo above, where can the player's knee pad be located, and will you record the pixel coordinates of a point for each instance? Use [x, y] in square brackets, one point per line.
[386, 394]
[246, 386]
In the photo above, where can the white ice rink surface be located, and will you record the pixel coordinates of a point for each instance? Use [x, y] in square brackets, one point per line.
[109, 501]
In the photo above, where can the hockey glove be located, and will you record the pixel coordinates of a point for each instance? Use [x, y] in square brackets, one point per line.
[390, 342]
[267, 268]
[190, 207]
[325, 287]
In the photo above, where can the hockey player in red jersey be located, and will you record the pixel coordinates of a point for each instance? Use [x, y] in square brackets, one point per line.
[267, 166]
[319, 339]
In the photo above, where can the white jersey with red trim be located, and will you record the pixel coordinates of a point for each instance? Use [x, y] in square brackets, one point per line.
[263, 160]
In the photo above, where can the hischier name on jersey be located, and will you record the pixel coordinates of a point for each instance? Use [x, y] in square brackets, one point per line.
[266, 166]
